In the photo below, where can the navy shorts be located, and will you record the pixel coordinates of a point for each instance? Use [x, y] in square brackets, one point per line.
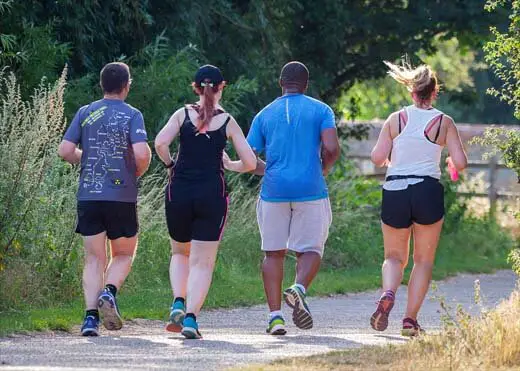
[421, 203]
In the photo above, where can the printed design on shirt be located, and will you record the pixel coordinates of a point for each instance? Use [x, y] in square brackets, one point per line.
[107, 152]
[93, 116]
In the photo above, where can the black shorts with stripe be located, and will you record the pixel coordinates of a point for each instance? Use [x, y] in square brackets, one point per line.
[193, 215]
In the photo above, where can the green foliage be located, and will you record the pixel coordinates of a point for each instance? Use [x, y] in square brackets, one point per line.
[341, 41]
[31, 51]
[161, 85]
[36, 197]
[41, 257]
[455, 65]
[43, 55]
[503, 141]
[503, 54]
[514, 260]
[164, 42]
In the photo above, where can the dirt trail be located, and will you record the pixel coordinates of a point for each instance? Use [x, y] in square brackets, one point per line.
[235, 337]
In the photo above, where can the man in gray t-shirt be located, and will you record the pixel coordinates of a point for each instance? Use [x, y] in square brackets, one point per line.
[105, 130]
[113, 152]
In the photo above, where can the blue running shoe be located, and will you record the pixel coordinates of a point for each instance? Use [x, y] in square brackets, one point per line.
[190, 329]
[295, 298]
[276, 326]
[107, 306]
[177, 313]
[90, 326]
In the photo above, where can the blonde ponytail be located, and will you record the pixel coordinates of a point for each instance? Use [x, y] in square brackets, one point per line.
[420, 80]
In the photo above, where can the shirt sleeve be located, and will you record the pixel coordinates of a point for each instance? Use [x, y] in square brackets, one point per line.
[73, 133]
[328, 121]
[255, 137]
[137, 129]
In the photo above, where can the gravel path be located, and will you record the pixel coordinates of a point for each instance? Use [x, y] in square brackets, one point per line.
[235, 337]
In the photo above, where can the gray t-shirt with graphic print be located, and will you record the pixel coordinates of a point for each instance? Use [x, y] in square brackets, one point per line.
[106, 130]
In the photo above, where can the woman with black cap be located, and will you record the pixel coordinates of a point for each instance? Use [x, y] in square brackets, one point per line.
[196, 195]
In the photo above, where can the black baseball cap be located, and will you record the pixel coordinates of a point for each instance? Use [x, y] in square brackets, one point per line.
[208, 73]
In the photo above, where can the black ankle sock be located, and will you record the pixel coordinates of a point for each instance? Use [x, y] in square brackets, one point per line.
[92, 312]
[191, 315]
[179, 299]
[111, 288]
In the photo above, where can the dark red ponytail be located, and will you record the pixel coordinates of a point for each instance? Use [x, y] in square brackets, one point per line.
[207, 110]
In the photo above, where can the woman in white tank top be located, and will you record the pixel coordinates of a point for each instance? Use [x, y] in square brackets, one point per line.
[410, 144]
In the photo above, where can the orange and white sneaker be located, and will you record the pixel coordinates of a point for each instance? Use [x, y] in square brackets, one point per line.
[379, 320]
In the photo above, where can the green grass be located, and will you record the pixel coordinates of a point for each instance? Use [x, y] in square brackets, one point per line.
[352, 262]
[239, 285]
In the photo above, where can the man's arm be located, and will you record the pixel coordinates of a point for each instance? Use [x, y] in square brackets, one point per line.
[260, 166]
[143, 157]
[140, 148]
[68, 149]
[329, 149]
[69, 152]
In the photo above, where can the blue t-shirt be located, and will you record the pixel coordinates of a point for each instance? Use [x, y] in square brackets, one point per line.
[106, 130]
[289, 130]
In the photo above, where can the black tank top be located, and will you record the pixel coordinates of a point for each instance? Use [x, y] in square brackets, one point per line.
[198, 168]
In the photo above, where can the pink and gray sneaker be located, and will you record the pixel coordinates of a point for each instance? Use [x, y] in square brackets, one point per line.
[411, 328]
[379, 320]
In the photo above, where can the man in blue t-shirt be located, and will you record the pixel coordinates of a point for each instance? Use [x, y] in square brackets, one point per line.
[298, 135]
[114, 152]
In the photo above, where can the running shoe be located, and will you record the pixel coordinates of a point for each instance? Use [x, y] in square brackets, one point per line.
[295, 299]
[276, 326]
[109, 311]
[177, 313]
[411, 328]
[379, 320]
[90, 326]
[190, 328]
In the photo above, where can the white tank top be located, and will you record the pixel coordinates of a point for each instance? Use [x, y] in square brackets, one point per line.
[412, 152]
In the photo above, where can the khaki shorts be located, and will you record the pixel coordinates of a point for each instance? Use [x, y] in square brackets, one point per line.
[297, 226]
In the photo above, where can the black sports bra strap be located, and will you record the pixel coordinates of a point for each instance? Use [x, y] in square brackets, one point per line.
[224, 126]
[399, 115]
[438, 129]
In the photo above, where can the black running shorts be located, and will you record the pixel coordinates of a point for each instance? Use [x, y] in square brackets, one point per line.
[117, 219]
[201, 219]
[421, 203]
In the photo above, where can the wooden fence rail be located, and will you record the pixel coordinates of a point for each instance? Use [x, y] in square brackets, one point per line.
[492, 165]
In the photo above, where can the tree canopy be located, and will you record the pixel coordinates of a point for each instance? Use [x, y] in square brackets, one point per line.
[341, 41]
[503, 54]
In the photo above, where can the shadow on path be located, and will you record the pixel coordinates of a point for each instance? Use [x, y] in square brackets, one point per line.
[125, 341]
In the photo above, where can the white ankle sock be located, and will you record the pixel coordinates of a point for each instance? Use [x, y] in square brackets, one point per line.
[275, 313]
[301, 287]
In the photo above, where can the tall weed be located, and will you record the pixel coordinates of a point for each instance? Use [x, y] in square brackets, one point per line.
[37, 244]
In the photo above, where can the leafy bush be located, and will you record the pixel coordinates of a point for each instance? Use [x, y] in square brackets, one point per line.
[504, 59]
[503, 56]
[37, 250]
